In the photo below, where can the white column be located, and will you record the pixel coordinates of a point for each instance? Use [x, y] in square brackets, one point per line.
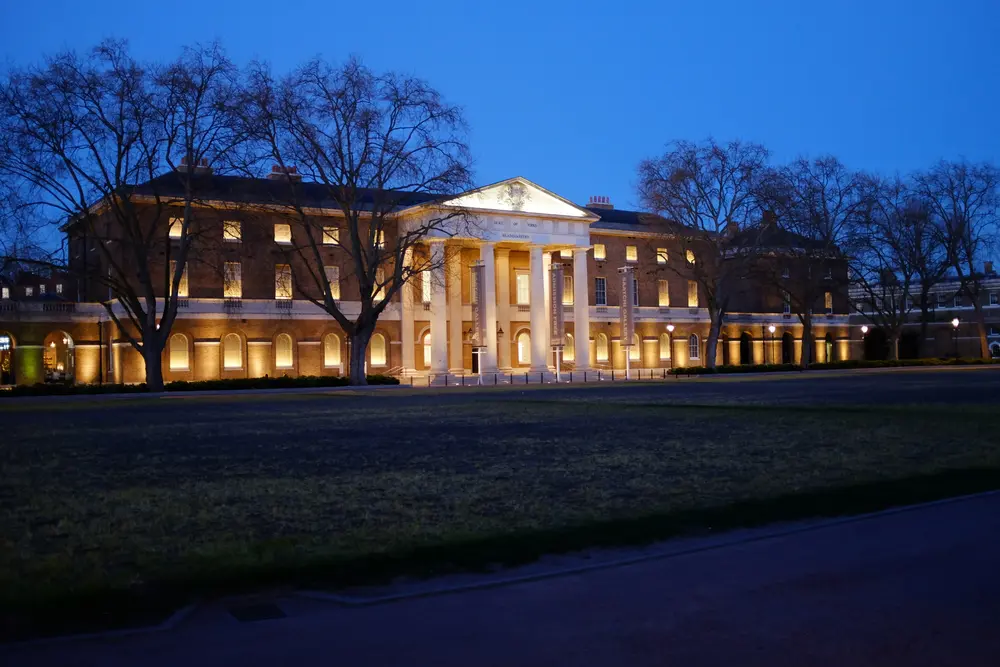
[406, 320]
[549, 356]
[439, 322]
[489, 360]
[503, 307]
[581, 309]
[539, 318]
[456, 363]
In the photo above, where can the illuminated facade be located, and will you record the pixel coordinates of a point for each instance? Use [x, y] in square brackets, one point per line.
[241, 316]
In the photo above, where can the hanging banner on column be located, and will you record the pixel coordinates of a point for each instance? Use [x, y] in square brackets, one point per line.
[479, 304]
[627, 312]
[557, 322]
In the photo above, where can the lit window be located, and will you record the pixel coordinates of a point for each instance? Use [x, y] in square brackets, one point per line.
[689, 256]
[631, 253]
[635, 352]
[331, 236]
[692, 294]
[232, 231]
[332, 274]
[425, 287]
[29, 291]
[232, 351]
[567, 290]
[182, 286]
[661, 255]
[664, 347]
[377, 348]
[283, 357]
[331, 350]
[59, 288]
[232, 280]
[427, 350]
[282, 281]
[380, 239]
[694, 349]
[523, 282]
[178, 352]
[282, 232]
[600, 291]
[664, 289]
[569, 350]
[4, 292]
[41, 290]
[176, 228]
[600, 252]
[602, 347]
[828, 302]
[379, 284]
[523, 348]
[565, 252]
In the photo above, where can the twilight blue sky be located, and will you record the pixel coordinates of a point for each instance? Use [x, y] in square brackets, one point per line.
[572, 94]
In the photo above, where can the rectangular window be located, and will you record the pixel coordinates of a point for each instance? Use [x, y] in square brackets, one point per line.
[567, 290]
[282, 281]
[232, 231]
[379, 284]
[29, 291]
[232, 280]
[828, 302]
[59, 288]
[176, 227]
[785, 272]
[182, 287]
[4, 292]
[993, 299]
[600, 252]
[829, 274]
[661, 256]
[523, 281]
[692, 294]
[689, 256]
[600, 291]
[425, 287]
[282, 232]
[786, 303]
[331, 235]
[909, 303]
[631, 253]
[942, 300]
[664, 288]
[333, 277]
[635, 291]
[41, 290]
[566, 253]
[380, 239]
[958, 301]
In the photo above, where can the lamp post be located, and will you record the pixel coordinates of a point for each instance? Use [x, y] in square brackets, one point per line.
[864, 334]
[954, 335]
[770, 330]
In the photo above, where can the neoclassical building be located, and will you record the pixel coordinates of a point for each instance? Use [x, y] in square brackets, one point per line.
[240, 315]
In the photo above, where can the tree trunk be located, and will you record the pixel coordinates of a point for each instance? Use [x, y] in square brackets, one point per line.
[712, 345]
[807, 344]
[984, 344]
[925, 317]
[892, 354]
[359, 353]
[152, 355]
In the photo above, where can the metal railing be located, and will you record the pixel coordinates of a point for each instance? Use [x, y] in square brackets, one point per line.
[537, 377]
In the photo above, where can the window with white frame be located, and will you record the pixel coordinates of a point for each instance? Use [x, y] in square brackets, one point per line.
[376, 350]
[331, 235]
[828, 302]
[631, 253]
[692, 294]
[29, 291]
[664, 346]
[59, 288]
[178, 355]
[567, 290]
[635, 352]
[232, 231]
[176, 228]
[993, 299]
[958, 301]
[785, 273]
[600, 252]
[663, 287]
[602, 347]
[694, 348]
[661, 256]
[522, 280]
[284, 354]
[942, 300]
[523, 348]
[182, 286]
[600, 291]
[425, 287]
[786, 303]
[282, 232]
[332, 274]
[427, 350]
[232, 280]
[41, 290]
[569, 349]
[4, 292]
[232, 351]
[282, 281]
[331, 350]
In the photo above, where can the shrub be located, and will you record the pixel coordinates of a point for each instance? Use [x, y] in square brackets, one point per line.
[831, 365]
[283, 382]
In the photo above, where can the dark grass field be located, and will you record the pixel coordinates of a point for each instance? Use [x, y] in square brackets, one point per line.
[145, 497]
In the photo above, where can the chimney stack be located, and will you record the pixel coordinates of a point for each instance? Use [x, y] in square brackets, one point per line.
[279, 173]
[600, 201]
[200, 168]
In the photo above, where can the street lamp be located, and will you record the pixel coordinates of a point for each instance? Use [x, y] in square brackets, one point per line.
[770, 330]
[670, 328]
[954, 328]
[864, 329]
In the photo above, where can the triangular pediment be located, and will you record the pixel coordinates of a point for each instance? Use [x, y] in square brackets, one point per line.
[519, 195]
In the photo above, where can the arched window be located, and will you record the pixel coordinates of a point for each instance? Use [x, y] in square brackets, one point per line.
[331, 350]
[664, 346]
[602, 347]
[635, 352]
[232, 351]
[569, 351]
[427, 350]
[694, 349]
[523, 348]
[178, 352]
[283, 357]
[377, 350]
[995, 350]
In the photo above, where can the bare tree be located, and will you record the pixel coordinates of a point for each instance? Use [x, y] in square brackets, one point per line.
[117, 149]
[706, 193]
[366, 145]
[964, 199]
[815, 202]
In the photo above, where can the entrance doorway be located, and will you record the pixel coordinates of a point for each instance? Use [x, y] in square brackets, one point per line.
[57, 357]
[6, 358]
[746, 349]
[787, 348]
[475, 361]
[831, 349]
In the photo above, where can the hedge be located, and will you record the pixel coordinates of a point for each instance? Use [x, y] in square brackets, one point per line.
[283, 382]
[832, 365]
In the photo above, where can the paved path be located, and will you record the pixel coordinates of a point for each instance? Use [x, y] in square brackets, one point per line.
[918, 587]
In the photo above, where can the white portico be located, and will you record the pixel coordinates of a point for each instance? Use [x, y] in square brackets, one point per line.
[514, 227]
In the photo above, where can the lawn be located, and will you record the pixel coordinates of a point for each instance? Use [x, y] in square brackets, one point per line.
[147, 498]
